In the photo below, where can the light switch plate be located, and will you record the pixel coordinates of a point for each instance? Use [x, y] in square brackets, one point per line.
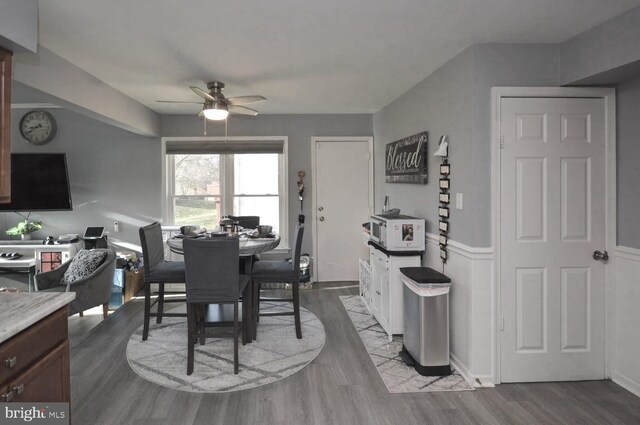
[458, 201]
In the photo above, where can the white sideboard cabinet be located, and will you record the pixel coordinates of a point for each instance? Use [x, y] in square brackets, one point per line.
[384, 295]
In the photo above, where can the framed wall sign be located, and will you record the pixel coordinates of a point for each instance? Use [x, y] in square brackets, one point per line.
[444, 198]
[443, 255]
[445, 169]
[443, 240]
[406, 160]
[444, 183]
[443, 226]
[443, 212]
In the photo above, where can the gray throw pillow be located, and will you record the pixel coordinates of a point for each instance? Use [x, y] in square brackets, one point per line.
[82, 265]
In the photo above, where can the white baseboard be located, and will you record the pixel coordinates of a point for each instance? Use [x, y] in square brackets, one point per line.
[462, 369]
[626, 383]
[479, 381]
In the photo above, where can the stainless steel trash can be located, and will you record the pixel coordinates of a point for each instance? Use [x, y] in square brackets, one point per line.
[426, 320]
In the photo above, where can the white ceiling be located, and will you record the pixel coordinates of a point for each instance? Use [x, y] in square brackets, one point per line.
[305, 56]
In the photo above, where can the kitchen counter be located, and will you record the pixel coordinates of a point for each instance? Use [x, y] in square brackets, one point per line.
[19, 310]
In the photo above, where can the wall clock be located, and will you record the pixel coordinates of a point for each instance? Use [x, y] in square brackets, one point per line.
[38, 127]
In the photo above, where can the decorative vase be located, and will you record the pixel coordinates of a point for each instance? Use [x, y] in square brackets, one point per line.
[26, 237]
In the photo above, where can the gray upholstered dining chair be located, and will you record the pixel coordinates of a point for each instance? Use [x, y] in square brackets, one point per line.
[157, 270]
[92, 281]
[247, 221]
[280, 271]
[213, 277]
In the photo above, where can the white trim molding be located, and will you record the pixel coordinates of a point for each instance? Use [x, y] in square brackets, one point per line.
[470, 304]
[626, 334]
[609, 97]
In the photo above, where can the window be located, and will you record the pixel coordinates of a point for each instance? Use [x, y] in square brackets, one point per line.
[209, 179]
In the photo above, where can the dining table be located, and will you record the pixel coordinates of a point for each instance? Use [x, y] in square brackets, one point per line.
[249, 247]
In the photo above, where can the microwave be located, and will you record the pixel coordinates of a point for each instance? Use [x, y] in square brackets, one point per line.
[399, 233]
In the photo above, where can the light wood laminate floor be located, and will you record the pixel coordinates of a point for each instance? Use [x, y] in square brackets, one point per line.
[341, 386]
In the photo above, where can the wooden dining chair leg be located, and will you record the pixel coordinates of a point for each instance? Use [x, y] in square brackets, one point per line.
[191, 337]
[160, 302]
[296, 308]
[235, 337]
[105, 310]
[147, 311]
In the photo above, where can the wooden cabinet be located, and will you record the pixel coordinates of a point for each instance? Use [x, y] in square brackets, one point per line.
[35, 363]
[385, 302]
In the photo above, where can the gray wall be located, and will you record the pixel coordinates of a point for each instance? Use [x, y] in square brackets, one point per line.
[611, 45]
[456, 100]
[298, 128]
[440, 104]
[19, 25]
[497, 65]
[114, 175]
[628, 171]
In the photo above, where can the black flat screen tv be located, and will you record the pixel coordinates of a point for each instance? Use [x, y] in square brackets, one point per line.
[39, 182]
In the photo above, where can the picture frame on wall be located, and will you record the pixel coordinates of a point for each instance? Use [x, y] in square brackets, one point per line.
[443, 212]
[443, 254]
[445, 198]
[445, 169]
[444, 183]
[443, 240]
[443, 226]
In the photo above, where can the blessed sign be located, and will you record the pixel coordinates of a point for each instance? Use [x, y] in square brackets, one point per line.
[406, 160]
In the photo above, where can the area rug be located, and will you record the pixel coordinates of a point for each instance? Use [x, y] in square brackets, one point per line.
[276, 354]
[397, 376]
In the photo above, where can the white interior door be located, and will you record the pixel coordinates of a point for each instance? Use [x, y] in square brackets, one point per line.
[342, 191]
[552, 203]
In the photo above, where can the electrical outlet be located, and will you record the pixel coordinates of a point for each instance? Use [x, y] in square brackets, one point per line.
[458, 201]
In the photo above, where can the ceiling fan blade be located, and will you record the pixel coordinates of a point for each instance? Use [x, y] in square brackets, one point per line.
[203, 94]
[241, 110]
[177, 101]
[244, 100]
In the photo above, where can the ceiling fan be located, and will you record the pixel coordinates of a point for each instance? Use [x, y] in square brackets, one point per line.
[216, 106]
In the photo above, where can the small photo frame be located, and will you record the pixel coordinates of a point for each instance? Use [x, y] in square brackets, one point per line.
[445, 198]
[445, 169]
[444, 183]
[443, 226]
[443, 240]
[443, 254]
[443, 212]
[407, 232]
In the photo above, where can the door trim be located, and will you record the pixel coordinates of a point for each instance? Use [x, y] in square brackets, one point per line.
[314, 230]
[609, 96]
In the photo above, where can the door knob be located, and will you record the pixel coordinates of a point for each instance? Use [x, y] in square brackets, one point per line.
[321, 209]
[600, 256]
[321, 218]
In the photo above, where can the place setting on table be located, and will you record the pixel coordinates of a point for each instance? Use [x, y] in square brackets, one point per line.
[251, 241]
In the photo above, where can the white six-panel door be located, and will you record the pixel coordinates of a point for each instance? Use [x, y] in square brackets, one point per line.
[552, 203]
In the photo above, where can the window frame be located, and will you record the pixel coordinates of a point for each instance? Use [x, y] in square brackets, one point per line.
[168, 180]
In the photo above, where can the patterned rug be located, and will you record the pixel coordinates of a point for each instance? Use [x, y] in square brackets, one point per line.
[397, 376]
[276, 354]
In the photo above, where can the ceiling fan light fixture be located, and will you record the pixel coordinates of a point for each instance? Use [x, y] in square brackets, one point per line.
[216, 112]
